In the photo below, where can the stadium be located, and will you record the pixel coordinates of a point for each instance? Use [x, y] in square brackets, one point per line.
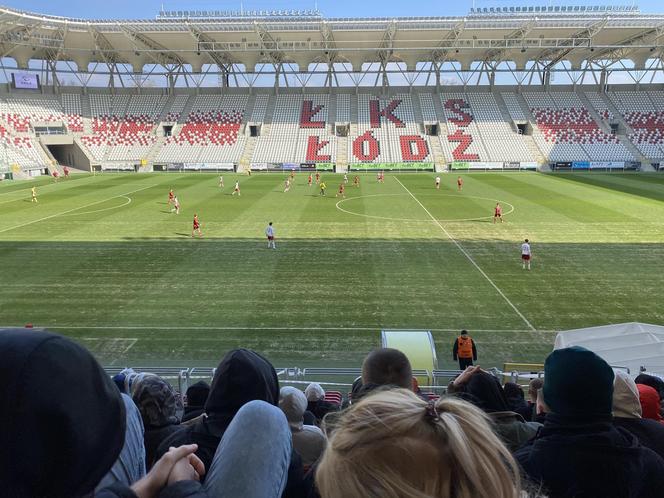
[357, 185]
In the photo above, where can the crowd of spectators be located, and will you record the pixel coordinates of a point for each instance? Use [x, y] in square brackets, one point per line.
[71, 431]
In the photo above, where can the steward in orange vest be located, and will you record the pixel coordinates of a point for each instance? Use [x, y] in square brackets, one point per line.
[465, 350]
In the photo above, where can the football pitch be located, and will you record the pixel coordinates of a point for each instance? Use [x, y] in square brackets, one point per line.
[103, 260]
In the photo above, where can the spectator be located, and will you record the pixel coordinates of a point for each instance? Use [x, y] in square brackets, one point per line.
[64, 424]
[63, 420]
[161, 410]
[387, 367]
[308, 441]
[650, 403]
[534, 386]
[579, 452]
[316, 402]
[652, 381]
[130, 465]
[516, 400]
[197, 395]
[465, 350]
[241, 377]
[484, 390]
[394, 444]
[627, 414]
[251, 461]
[383, 368]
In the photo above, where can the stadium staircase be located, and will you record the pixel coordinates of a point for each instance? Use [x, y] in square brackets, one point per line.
[534, 150]
[86, 112]
[269, 115]
[434, 142]
[342, 142]
[247, 154]
[250, 145]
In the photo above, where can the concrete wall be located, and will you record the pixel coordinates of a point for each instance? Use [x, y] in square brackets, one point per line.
[70, 155]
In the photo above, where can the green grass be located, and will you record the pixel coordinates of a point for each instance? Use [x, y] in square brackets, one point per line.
[101, 259]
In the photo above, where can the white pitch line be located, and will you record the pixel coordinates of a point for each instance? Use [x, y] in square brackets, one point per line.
[74, 209]
[213, 327]
[470, 258]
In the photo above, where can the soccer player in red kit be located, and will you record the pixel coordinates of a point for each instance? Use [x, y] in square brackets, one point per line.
[498, 213]
[356, 181]
[171, 196]
[317, 177]
[292, 176]
[459, 183]
[310, 180]
[55, 175]
[342, 191]
[197, 227]
[66, 170]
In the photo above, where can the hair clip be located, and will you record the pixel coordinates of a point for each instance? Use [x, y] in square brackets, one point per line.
[432, 412]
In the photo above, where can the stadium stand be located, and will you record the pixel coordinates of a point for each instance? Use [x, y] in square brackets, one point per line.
[387, 131]
[475, 126]
[299, 131]
[567, 132]
[645, 118]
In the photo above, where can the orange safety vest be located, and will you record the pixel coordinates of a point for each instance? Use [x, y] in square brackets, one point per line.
[464, 347]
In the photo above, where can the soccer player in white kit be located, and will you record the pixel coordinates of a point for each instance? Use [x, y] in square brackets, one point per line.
[176, 205]
[236, 190]
[287, 185]
[345, 178]
[221, 181]
[437, 183]
[525, 254]
[269, 232]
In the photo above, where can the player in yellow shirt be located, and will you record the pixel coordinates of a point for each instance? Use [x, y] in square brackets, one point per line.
[322, 188]
[34, 194]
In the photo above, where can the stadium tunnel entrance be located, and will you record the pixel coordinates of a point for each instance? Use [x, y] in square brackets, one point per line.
[70, 154]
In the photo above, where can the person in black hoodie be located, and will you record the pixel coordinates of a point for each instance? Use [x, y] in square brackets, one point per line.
[484, 391]
[63, 423]
[241, 377]
[579, 452]
[197, 395]
[63, 420]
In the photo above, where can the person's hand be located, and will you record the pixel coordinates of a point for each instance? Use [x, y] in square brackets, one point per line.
[466, 375]
[190, 468]
[181, 462]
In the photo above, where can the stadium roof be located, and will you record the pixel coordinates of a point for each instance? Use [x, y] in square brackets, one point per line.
[249, 38]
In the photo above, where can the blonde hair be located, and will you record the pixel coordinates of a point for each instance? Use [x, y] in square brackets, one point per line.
[392, 444]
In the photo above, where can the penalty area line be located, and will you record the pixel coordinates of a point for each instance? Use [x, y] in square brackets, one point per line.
[469, 257]
[74, 209]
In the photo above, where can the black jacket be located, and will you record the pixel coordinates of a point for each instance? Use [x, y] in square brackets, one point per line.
[649, 432]
[321, 408]
[62, 418]
[590, 459]
[242, 376]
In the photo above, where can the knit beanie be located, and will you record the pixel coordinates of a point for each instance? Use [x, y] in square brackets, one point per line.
[577, 382]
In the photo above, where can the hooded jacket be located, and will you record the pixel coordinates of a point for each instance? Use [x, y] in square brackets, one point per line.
[484, 391]
[627, 414]
[63, 420]
[650, 406]
[242, 376]
[308, 441]
[161, 410]
[197, 395]
[588, 458]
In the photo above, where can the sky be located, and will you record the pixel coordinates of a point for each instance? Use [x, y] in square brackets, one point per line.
[143, 9]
